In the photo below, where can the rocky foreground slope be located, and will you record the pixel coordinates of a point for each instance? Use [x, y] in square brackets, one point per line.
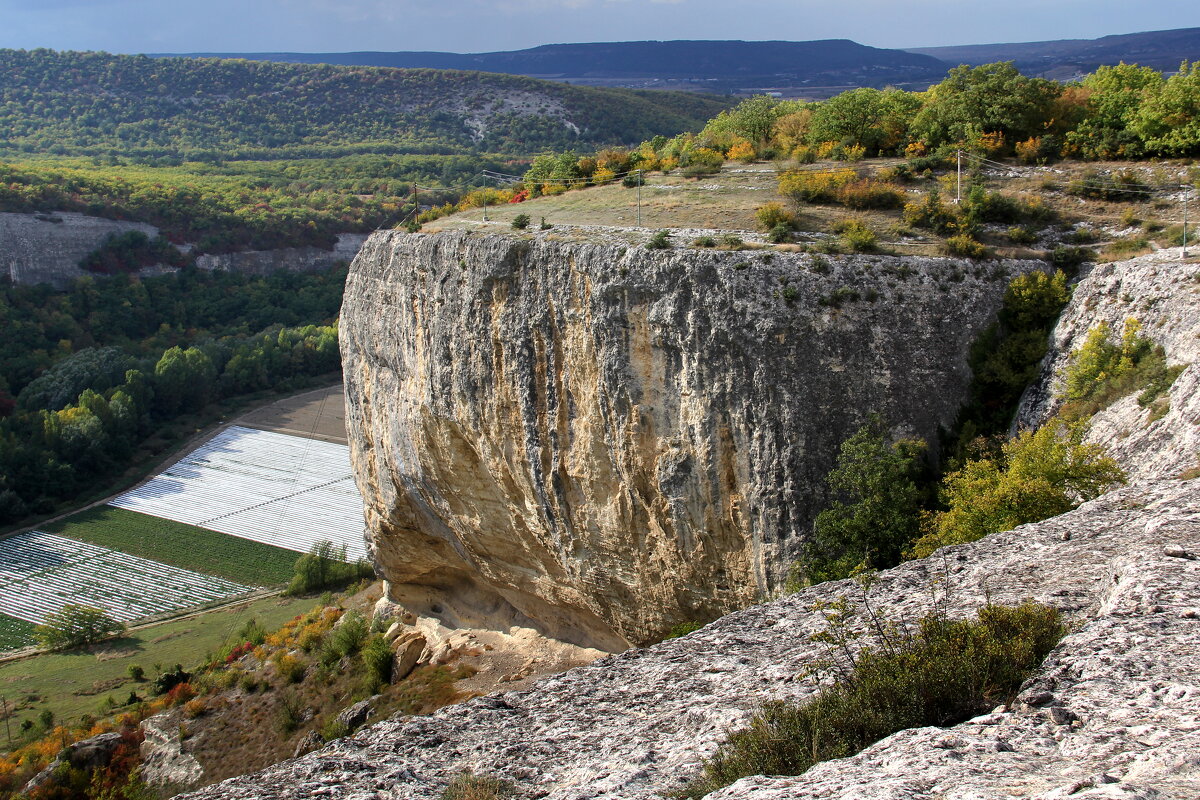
[602, 441]
[1113, 713]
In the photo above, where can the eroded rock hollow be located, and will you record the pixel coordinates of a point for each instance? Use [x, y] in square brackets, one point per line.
[601, 441]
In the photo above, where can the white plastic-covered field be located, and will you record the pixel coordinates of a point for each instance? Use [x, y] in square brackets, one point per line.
[41, 572]
[272, 488]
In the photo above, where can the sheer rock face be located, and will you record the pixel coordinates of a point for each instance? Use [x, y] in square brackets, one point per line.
[1161, 292]
[1111, 714]
[47, 248]
[601, 442]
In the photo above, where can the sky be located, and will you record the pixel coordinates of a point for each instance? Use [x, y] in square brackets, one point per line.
[179, 26]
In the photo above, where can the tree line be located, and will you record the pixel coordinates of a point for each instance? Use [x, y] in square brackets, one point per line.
[88, 375]
[1117, 112]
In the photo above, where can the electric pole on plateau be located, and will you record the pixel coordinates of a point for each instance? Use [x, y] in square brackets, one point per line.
[958, 193]
[1187, 190]
[639, 198]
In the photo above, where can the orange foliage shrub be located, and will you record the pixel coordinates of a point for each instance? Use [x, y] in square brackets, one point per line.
[741, 150]
[991, 143]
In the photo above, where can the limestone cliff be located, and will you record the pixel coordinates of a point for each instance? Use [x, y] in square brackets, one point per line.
[603, 441]
[47, 248]
[1163, 294]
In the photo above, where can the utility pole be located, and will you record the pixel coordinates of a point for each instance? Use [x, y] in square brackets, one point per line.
[958, 193]
[1187, 190]
[640, 198]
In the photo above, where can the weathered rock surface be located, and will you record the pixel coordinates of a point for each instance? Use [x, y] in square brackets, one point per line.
[164, 761]
[47, 248]
[88, 754]
[601, 442]
[290, 259]
[1163, 294]
[1113, 713]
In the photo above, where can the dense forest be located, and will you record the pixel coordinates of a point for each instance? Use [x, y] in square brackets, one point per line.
[87, 375]
[234, 155]
[256, 205]
[96, 104]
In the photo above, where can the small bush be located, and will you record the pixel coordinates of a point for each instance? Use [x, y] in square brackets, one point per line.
[815, 186]
[325, 565]
[521, 221]
[1123, 185]
[377, 661]
[732, 241]
[1131, 246]
[291, 669]
[838, 297]
[290, 713]
[684, 628]
[167, 681]
[942, 673]
[1102, 372]
[699, 170]
[1022, 235]
[704, 241]
[475, 787]
[1038, 475]
[780, 234]
[931, 214]
[856, 235]
[661, 240]
[964, 246]
[772, 215]
[136, 672]
[864, 194]
[346, 639]
[1069, 259]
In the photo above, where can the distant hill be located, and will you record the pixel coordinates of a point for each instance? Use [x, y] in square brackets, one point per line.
[96, 104]
[810, 69]
[714, 65]
[1065, 58]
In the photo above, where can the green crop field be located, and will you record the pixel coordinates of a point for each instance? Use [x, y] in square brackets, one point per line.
[15, 632]
[180, 545]
[77, 682]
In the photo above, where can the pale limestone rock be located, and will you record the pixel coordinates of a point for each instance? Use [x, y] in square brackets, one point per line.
[1162, 293]
[408, 650]
[1125, 681]
[600, 442]
[164, 762]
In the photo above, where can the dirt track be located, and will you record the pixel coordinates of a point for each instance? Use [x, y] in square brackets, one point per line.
[319, 414]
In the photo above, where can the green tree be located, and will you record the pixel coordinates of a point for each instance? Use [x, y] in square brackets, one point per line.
[992, 98]
[1169, 121]
[751, 119]
[1037, 475]
[325, 565]
[876, 506]
[184, 380]
[76, 625]
[1114, 98]
[874, 119]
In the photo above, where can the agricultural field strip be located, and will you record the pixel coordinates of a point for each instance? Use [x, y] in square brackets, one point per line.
[268, 487]
[41, 572]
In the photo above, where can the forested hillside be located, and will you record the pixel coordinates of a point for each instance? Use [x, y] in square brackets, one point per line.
[96, 104]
